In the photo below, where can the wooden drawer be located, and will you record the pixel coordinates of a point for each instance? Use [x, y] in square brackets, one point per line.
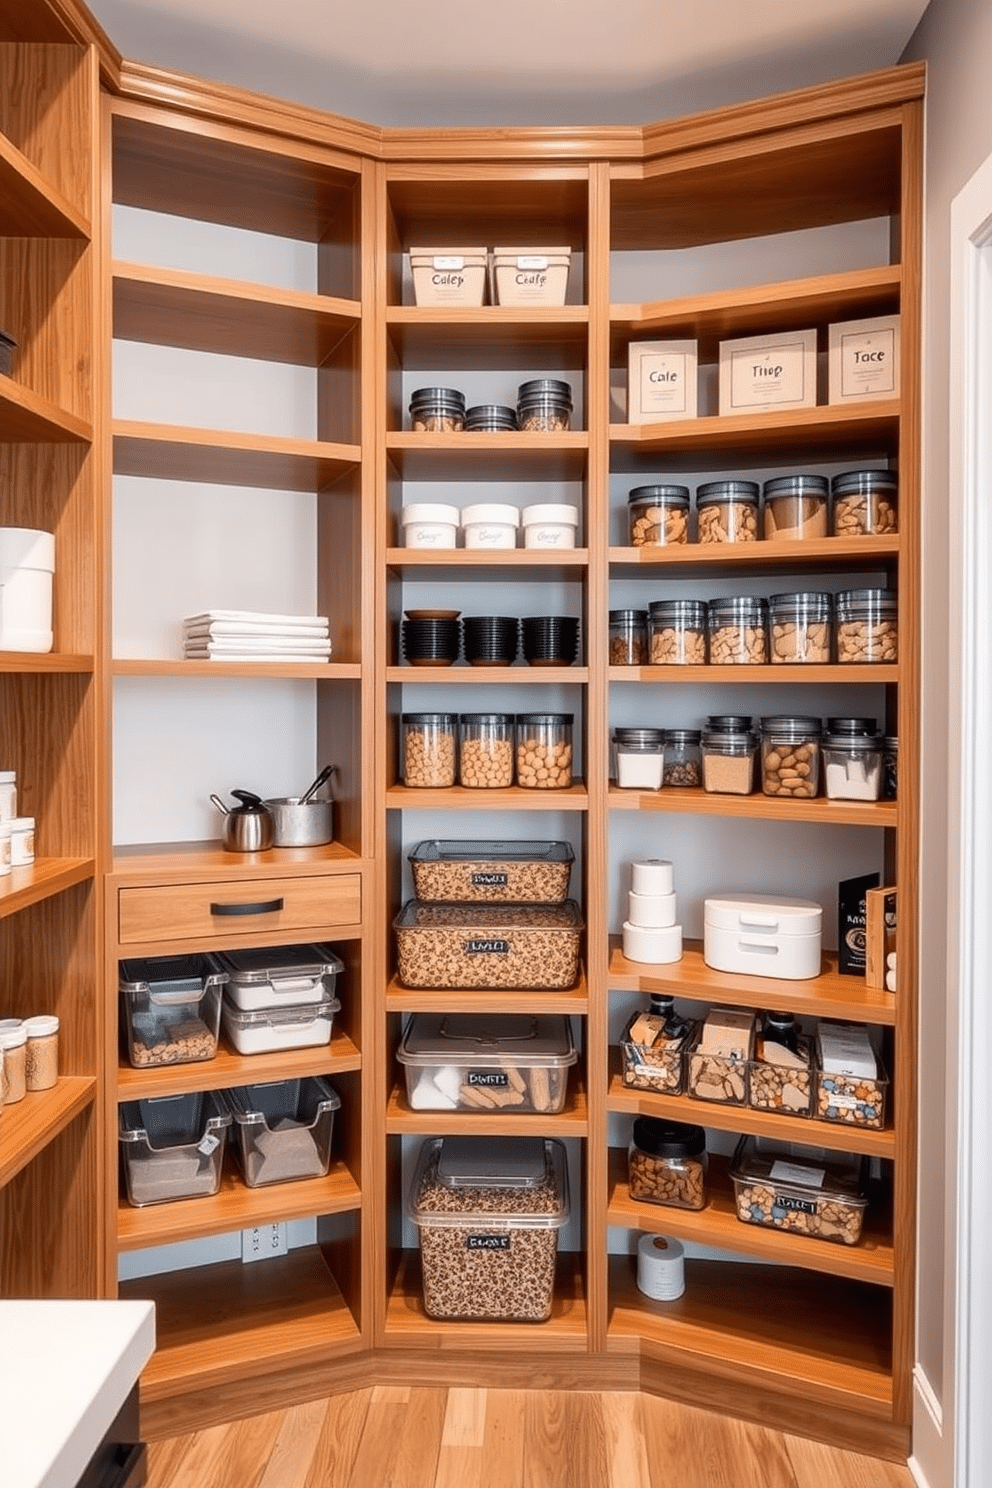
[228, 909]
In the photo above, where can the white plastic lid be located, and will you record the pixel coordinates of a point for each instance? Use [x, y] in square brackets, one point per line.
[26, 547]
[550, 513]
[5, 828]
[13, 1035]
[764, 914]
[491, 512]
[22, 824]
[8, 777]
[43, 1026]
[425, 511]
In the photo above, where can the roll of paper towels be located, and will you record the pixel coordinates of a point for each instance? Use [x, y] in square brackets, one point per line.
[656, 947]
[654, 911]
[652, 876]
[660, 1267]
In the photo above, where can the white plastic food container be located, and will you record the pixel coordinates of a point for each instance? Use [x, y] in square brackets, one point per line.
[512, 1062]
[430, 525]
[490, 525]
[269, 1029]
[27, 563]
[763, 935]
[279, 977]
[549, 526]
[449, 276]
[530, 276]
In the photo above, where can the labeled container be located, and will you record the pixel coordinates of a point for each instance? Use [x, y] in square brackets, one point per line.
[867, 626]
[487, 1062]
[171, 1008]
[549, 525]
[658, 516]
[790, 755]
[729, 755]
[429, 749]
[851, 1083]
[21, 841]
[8, 795]
[727, 511]
[172, 1146]
[449, 276]
[719, 1056]
[490, 525]
[13, 1048]
[282, 1130]
[738, 631]
[485, 751]
[781, 1075]
[27, 566]
[430, 524]
[765, 935]
[677, 632]
[530, 276]
[801, 627]
[823, 1196]
[866, 502]
[266, 1030]
[437, 410]
[640, 758]
[42, 1051]
[262, 977]
[544, 750]
[490, 418]
[796, 507]
[628, 637]
[513, 871]
[683, 759]
[544, 405]
[653, 1048]
[488, 1211]
[514, 946]
[666, 1163]
[853, 766]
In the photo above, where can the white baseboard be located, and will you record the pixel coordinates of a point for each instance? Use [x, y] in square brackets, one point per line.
[928, 1464]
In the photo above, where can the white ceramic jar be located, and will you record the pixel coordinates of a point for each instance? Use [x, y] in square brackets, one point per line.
[8, 795]
[490, 525]
[27, 564]
[550, 526]
[429, 525]
[21, 841]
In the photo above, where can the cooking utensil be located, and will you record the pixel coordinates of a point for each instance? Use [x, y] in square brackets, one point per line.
[299, 821]
[324, 775]
[248, 827]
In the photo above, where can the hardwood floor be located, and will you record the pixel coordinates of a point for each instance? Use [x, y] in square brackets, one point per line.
[394, 1437]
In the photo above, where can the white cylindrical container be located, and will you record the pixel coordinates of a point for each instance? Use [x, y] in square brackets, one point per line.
[550, 526]
[763, 935]
[429, 524]
[490, 525]
[5, 864]
[21, 841]
[27, 563]
[8, 795]
[13, 1042]
[651, 911]
[652, 876]
[660, 1267]
[656, 947]
[42, 1058]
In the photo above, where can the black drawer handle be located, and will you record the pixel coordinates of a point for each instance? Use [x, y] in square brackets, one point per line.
[267, 906]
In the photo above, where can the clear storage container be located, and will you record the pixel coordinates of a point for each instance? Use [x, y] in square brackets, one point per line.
[544, 750]
[514, 871]
[488, 1211]
[801, 627]
[851, 1083]
[282, 1130]
[729, 750]
[790, 755]
[677, 629]
[852, 761]
[781, 1074]
[866, 501]
[628, 637]
[727, 511]
[683, 760]
[266, 1030]
[738, 631]
[890, 767]
[429, 749]
[485, 751]
[666, 1163]
[172, 1146]
[437, 410]
[514, 946]
[640, 758]
[544, 405]
[171, 1008]
[658, 516]
[653, 1047]
[487, 1062]
[717, 1065]
[796, 507]
[262, 977]
[867, 625]
[775, 1184]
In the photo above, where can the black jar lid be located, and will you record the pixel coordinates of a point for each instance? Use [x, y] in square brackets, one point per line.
[729, 723]
[436, 395]
[499, 719]
[492, 416]
[791, 725]
[668, 1138]
[552, 718]
[628, 617]
[445, 720]
[671, 495]
[866, 481]
[728, 490]
[852, 726]
[797, 485]
[544, 387]
[682, 736]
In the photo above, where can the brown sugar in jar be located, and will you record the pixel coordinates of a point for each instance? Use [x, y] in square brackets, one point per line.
[42, 1050]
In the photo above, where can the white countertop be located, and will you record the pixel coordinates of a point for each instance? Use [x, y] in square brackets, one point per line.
[66, 1368]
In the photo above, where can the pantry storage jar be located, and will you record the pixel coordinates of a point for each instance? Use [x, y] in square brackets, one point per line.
[790, 755]
[727, 512]
[852, 764]
[628, 637]
[13, 1046]
[437, 410]
[738, 631]
[490, 525]
[42, 1051]
[640, 758]
[8, 795]
[801, 628]
[890, 767]
[21, 841]
[485, 754]
[658, 515]
[677, 632]
[867, 626]
[796, 507]
[549, 525]
[866, 501]
[729, 756]
[430, 524]
[544, 750]
[544, 405]
[429, 749]
[683, 762]
[490, 418]
[667, 1163]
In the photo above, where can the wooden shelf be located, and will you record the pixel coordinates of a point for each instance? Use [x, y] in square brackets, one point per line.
[408, 1326]
[516, 456]
[572, 1121]
[235, 1207]
[717, 1225]
[29, 206]
[168, 307]
[499, 337]
[203, 862]
[27, 418]
[334, 671]
[523, 565]
[474, 675]
[819, 554]
[224, 1324]
[42, 879]
[785, 434]
[829, 995]
[513, 798]
[699, 802]
[27, 1127]
[229, 1068]
[171, 452]
[59, 662]
[791, 672]
[401, 999]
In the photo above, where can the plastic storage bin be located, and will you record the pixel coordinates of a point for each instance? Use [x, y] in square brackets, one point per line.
[263, 977]
[487, 1061]
[171, 1009]
[453, 870]
[851, 1083]
[306, 1026]
[489, 1212]
[781, 1080]
[172, 1146]
[779, 1185]
[718, 1059]
[530, 276]
[544, 751]
[653, 1048]
[667, 1163]
[763, 935]
[449, 276]
[429, 748]
[487, 945]
[282, 1131]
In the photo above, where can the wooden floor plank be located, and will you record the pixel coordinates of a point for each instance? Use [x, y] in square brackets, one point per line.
[815, 1464]
[564, 1441]
[253, 1446]
[337, 1446]
[164, 1458]
[699, 1449]
[293, 1449]
[378, 1450]
[465, 1418]
[503, 1443]
[420, 1439]
[204, 1461]
[626, 1455]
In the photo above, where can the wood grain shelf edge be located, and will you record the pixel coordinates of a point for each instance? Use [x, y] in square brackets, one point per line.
[27, 1127]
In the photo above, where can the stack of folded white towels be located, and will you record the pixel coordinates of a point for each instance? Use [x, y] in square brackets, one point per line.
[245, 635]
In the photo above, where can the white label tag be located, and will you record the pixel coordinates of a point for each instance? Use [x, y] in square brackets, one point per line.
[663, 383]
[843, 1102]
[769, 375]
[532, 261]
[447, 261]
[868, 363]
[209, 1144]
[786, 1172]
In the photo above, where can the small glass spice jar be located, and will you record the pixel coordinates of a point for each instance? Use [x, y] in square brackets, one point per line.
[490, 418]
[667, 1163]
[867, 626]
[790, 755]
[437, 410]
[677, 632]
[866, 501]
[485, 751]
[729, 750]
[21, 841]
[796, 507]
[42, 1051]
[544, 750]
[738, 631]
[544, 404]
[13, 1043]
[890, 767]
[801, 627]
[658, 515]
[640, 757]
[727, 511]
[852, 760]
[683, 761]
[628, 637]
[429, 749]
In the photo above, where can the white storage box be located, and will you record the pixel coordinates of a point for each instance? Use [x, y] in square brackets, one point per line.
[763, 935]
[549, 525]
[27, 563]
[269, 1029]
[487, 1061]
[490, 525]
[449, 276]
[430, 524]
[279, 977]
[530, 276]
[282, 1130]
[776, 371]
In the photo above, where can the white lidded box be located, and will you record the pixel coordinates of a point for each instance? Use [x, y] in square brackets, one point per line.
[490, 525]
[530, 276]
[449, 276]
[487, 1061]
[279, 977]
[264, 1031]
[549, 525]
[430, 524]
[27, 564]
[765, 935]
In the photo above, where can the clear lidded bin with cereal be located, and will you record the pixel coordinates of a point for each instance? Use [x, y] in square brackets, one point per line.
[658, 516]
[171, 1009]
[790, 755]
[867, 626]
[485, 751]
[666, 1163]
[801, 628]
[738, 630]
[866, 502]
[677, 632]
[544, 750]
[727, 511]
[518, 947]
[429, 749]
[653, 1047]
[509, 1062]
[513, 871]
[823, 1195]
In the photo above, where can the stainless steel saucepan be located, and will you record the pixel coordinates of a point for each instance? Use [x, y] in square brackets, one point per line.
[301, 821]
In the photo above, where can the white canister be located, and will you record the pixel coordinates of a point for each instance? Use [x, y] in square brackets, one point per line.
[550, 526]
[21, 841]
[8, 795]
[652, 911]
[660, 1267]
[764, 935]
[653, 946]
[4, 849]
[27, 563]
[429, 525]
[490, 525]
[652, 876]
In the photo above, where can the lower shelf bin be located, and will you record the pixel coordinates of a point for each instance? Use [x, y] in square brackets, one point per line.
[282, 1130]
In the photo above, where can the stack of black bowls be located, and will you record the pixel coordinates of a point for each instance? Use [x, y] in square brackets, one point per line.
[432, 639]
[550, 640]
[490, 640]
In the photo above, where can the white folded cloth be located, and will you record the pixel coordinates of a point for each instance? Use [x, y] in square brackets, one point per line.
[254, 656]
[244, 628]
[306, 645]
[255, 617]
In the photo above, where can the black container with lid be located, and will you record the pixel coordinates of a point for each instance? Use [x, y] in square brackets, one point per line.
[668, 1138]
[666, 1163]
[780, 1028]
[544, 404]
[490, 418]
[437, 409]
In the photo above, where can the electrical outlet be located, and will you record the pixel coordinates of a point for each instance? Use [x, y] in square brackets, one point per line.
[262, 1242]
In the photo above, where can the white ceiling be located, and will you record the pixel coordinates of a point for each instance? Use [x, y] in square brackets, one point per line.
[513, 61]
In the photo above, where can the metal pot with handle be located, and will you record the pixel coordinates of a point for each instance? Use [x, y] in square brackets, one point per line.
[248, 827]
[300, 821]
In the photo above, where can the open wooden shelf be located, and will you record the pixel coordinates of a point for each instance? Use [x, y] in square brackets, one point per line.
[401, 999]
[235, 1207]
[202, 862]
[333, 671]
[27, 418]
[519, 455]
[829, 995]
[500, 337]
[793, 673]
[179, 452]
[30, 207]
[169, 307]
[819, 554]
[699, 802]
[60, 662]
[783, 434]
[572, 1121]
[42, 879]
[457, 564]
[474, 675]
[230, 1068]
[27, 1127]
[513, 798]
